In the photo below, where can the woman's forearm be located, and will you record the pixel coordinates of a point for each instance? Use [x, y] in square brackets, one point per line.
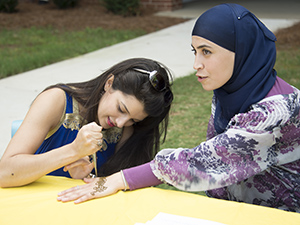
[22, 169]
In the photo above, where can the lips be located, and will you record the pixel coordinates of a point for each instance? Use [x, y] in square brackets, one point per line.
[201, 78]
[110, 123]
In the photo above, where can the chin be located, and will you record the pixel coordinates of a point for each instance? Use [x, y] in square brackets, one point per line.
[207, 88]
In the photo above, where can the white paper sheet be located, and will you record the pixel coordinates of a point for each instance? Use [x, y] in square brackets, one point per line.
[169, 219]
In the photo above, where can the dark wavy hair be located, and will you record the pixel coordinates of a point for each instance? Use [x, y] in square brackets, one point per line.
[145, 141]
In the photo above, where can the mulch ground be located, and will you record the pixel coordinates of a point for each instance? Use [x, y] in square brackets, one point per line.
[289, 37]
[87, 14]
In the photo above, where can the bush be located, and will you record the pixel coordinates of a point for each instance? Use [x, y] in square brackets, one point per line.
[8, 5]
[122, 7]
[64, 4]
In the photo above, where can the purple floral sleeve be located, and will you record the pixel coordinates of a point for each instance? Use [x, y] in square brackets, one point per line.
[221, 161]
[255, 160]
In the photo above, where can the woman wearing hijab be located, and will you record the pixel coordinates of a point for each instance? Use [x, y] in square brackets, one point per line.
[252, 149]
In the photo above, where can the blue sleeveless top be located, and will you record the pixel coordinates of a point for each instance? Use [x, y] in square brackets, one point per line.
[66, 131]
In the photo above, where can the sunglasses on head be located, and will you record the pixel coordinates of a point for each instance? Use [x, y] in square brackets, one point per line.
[158, 83]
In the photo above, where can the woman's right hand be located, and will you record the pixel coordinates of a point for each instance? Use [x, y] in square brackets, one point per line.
[88, 140]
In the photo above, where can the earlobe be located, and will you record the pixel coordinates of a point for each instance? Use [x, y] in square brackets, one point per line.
[109, 83]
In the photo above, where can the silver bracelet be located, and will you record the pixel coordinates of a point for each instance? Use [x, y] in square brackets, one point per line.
[124, 180]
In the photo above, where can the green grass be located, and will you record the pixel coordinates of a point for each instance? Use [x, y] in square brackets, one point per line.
[189, 113]
[288, 66]
[27, 49]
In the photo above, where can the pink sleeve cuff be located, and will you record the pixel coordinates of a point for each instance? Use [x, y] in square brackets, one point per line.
[140, 177]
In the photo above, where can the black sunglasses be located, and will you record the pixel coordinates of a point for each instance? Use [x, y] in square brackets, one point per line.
[159, 84]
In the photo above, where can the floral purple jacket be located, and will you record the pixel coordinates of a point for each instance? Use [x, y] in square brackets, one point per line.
[256, 160]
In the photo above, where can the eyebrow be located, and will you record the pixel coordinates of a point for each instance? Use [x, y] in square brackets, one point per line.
[201, 46]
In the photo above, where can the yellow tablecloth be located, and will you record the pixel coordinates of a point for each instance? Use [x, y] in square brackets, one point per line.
[36, 204]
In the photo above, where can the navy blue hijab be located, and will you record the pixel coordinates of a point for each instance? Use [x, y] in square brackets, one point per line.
[234, 28]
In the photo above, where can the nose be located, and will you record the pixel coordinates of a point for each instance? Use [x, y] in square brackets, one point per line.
[198, 64]
[121, 121]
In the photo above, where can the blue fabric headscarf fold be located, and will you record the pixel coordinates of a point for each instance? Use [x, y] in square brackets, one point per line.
[233, 27]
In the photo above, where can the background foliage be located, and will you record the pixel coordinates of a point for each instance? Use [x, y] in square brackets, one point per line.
[8, 6]
[121, 7]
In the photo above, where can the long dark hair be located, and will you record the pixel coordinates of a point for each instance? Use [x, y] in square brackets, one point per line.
[145, 141]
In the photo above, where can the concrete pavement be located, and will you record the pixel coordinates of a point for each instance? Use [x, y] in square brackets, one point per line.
[171, 46]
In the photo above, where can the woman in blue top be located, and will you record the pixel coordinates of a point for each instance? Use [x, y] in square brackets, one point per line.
[119, 116]
[252, 151]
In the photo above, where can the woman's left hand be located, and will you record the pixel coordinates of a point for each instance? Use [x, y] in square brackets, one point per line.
[94, 188]
[80, 168]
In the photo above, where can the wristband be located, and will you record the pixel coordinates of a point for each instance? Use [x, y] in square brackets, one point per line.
[124, 180]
